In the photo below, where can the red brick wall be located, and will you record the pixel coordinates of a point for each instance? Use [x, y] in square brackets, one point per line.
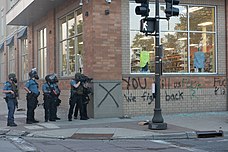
[51, 41]
[30, 46]
[102, 40]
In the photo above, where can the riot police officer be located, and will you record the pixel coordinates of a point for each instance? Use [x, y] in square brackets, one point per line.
[57, 94]
[85, 99]
[11, 92]
[31, 87]
[51, 94]
[76, 97]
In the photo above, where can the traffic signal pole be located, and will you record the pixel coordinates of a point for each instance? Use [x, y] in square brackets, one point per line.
[152, 25]
[157, 120]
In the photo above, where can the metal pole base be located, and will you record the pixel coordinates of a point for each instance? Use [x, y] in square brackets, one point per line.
[157, 126]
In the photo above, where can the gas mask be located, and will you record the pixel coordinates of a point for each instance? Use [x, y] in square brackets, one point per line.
[12, 77]
[36, 77]
[14, 80]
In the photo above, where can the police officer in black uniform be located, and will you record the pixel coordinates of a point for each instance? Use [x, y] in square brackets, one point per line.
[11, 92]
[85, 97]
[31, 87]
[57, 94]
[76, 97]
[51, 100]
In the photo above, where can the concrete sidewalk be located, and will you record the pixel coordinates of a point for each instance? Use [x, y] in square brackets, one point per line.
[179, 125]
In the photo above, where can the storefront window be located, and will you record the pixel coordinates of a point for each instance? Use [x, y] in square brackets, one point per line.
[42, 52]
[24, 59]
[11, 58]
[202, 57]
[71, 43]
[188, 41]
[202, 18]
[175, 52]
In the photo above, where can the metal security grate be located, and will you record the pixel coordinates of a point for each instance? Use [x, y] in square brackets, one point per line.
[91, 136]
[209, 134]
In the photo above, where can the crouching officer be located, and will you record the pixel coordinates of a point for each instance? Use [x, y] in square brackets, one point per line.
[11, 92]
[76, 96]
[31, 87]
[51, 93]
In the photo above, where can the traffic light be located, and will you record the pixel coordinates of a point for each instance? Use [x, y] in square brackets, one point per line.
[147, 25]
[170, 10]
[142, 10]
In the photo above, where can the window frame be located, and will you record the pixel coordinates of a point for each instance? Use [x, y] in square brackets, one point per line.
[23, 55]
[2, 65]
[42, 52]
[11, 59]
[66, 40]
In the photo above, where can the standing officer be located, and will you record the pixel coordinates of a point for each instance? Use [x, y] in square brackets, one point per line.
[76, 96]
[31, 87]
[51, 94]
[85, 98]
[11, 92]
[57, 94]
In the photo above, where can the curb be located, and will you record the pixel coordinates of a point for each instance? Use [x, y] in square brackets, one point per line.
[9, 132]
[165, 136]
[183, 135]
[46, 136]
[4, 131]
[23, 145]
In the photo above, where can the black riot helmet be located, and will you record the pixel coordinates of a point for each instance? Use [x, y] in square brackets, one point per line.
[55, 78]
[51, 78]
[33, 74]
[12, 77]
[47, 78]
[78, 76]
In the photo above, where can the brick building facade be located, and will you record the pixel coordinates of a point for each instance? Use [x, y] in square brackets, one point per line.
[106, 40]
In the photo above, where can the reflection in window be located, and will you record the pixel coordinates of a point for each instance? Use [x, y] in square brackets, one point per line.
[175, 54]
[202, 18]
[42, 53]
[182, 38]
[71, 43]
[175, 23]
[11, 58]
[24, 59]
